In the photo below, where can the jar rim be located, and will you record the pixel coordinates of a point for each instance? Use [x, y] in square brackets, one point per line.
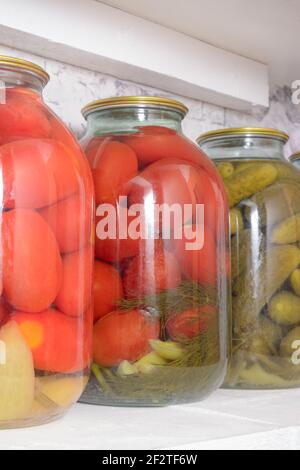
[243, 132]
[156, 102]
[16, 64]
[294, 156]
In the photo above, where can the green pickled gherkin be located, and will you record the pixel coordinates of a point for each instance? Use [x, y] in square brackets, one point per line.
[236, 220]
[290, 343]
[225, 169]
[254, 288]
[242, 245]
[284, 308]
[287, 231]
[242, 166]
[286, 171]
[270, 331]
[274, 204]
[249, 181]
[295, 281]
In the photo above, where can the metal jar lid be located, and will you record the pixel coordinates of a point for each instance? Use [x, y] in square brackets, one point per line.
[243, 132]
[14, 64]
[134, 102]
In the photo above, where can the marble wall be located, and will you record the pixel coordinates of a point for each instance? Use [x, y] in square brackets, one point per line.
[71, 88]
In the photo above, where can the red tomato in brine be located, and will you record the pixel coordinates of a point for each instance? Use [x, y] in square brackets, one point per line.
[22, 117]
[113, 166]
[167, 182]
[114, 249]
[70, 221]
[123, 335]
[154, 143]
[188, 324]
[108, 289]
[61, 134]
[32, 266]
[37, 173]
[150, 272]
[75, 294]
[198, 262]
[56, 341]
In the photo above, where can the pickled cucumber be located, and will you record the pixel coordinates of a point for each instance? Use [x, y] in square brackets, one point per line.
[274, 204]
[254, 288]
[287, 231]
[242, 246]
[284, 308]
[258, 376]
[286, 171]
[242, 166]
[249, 181]
[295, 281]
[257, 345]
[236, 220]
[290, 344]
[270, 331]
[225, 169]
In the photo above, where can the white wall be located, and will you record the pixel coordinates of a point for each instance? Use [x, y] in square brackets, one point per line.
[71, 88]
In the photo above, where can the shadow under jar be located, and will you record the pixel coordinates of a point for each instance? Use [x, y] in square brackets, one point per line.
[264, 197]
[46, 254]
[161, 268]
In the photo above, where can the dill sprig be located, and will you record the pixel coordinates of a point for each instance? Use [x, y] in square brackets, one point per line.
[167, 303]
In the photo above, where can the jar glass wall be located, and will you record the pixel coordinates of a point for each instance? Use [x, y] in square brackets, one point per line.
[264, 197]
[295, 160]
[46, 254]
[162, 266]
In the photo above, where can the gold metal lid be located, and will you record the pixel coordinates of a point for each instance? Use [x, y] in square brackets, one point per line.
[14, 64]
[136, 102]
[294, 156]
[243, 131]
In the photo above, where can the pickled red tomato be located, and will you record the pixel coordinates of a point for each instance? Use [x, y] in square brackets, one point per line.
[93, 147]
[4, 312]
[123, 335]
[70, 222]
[22, 116]
[166, 182]
[190, 323]
[114, 164]
[198, 264]
[108, 289]
[32, 266]
[113, 248]
[61, 134]
[150, 272]
[74, 296]
[154, 143]
[55, 340]
[37, 173]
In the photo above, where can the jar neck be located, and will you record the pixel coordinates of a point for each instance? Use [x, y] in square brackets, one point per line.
[245, 147]
[14, 79]
[129, 120]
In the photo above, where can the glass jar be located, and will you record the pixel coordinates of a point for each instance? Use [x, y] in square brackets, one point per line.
[295, 160]
[46, 254]
[264, 198]
[161, 269]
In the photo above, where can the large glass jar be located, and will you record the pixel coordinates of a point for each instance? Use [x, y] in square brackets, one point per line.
[264, 198]
[46, 254]
[161, 269]
[295, 160]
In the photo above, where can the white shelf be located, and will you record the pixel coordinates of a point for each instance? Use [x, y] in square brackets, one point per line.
[227, 420]
[99, 37]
